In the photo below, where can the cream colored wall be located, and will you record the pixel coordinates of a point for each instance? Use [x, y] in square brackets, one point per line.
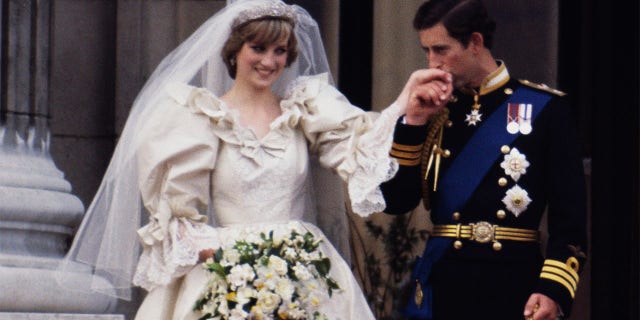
[396, 50]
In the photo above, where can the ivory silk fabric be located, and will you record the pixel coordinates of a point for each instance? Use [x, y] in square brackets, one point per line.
[197, 155]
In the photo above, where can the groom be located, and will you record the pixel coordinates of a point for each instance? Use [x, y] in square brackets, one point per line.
[488, 165]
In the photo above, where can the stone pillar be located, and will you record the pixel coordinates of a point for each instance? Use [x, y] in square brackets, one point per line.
[38, 212]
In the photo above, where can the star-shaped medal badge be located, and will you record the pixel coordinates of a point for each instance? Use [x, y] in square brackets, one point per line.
[516, 200]
[473, 118]
[515, 164]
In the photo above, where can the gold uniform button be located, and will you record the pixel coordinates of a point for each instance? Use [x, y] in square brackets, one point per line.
[456, 216]
[457, 244]
[501, 214]
[502, 182]
[446, 153]
[449, 124]
[497, 246]
[505, 149]
[508, 91]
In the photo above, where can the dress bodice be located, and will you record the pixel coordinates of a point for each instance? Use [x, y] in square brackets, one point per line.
[274, 190]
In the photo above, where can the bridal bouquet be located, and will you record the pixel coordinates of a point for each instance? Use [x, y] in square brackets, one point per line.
[266, 278]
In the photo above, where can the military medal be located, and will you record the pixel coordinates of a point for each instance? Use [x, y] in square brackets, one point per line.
[474, 116]
[512, 118]
[517, 200]
[515, 164]
[519, 118]
[524, 117]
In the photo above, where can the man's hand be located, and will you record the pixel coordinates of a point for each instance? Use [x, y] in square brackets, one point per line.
[424, 94]
[540, 307]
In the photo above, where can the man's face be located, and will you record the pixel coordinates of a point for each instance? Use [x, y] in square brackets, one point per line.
[446, 53]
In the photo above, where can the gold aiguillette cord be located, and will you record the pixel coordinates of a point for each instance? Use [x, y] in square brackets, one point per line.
[436, 152]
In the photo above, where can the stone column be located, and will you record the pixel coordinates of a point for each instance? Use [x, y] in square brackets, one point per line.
[38, 213]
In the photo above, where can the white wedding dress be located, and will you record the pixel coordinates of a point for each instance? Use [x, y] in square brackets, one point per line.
[198, 158]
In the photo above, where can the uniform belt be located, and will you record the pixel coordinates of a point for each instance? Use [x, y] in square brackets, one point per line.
[484, 232]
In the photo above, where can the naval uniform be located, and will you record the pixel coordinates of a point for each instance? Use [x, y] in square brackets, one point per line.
[496, 170]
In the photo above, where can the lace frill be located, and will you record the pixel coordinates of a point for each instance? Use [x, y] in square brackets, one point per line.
[375, 166]
[176, 254]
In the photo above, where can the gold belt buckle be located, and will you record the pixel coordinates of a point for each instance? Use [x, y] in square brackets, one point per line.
[482, 232]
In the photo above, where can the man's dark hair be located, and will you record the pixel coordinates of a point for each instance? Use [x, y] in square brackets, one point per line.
[461, 18]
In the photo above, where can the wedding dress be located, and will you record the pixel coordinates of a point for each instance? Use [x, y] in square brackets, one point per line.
[256, 185]
[186, 175]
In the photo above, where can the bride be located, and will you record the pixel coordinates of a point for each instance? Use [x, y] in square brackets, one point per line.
[229, 139]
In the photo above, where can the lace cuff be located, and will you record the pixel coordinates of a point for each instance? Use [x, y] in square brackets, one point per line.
[375, 166]
[176, 254]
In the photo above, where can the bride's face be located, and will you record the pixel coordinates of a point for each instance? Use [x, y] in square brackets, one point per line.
[261, 64]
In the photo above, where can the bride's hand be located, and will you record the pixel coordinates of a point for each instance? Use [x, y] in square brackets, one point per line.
[205, 254]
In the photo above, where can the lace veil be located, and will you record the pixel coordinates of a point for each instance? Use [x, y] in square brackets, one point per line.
[106, 242]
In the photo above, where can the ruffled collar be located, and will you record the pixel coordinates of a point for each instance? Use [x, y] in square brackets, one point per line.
[226, 121]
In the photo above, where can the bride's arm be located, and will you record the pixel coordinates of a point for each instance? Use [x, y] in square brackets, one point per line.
[176, 157]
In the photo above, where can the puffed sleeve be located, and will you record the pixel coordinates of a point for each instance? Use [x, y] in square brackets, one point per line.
[352, 142]
[176, 156]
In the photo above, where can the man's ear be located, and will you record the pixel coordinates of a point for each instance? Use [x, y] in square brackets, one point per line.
[476, 42]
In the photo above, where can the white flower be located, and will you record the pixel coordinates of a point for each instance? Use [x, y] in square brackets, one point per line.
[262, 283]
[267, 301]
[231, 257]
[296, 314]
[290, 253]
[209, 307]
[310, 256]
[244, 295]
[266, 278]
[514, 164]
[238, 314]
[516, 200]
[240, 275]
[285, 288]
[223, 308]
[278, 265]
[298, 240]
[302, 272]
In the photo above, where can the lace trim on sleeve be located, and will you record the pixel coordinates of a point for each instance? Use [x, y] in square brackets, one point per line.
[176, 254]
[375, 166]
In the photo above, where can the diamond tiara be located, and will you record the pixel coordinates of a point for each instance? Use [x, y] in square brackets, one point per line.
[271, 9]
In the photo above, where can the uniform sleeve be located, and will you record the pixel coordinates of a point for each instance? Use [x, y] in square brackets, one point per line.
[175, 159]
[403, 192]
[567, 243]
[354, 143]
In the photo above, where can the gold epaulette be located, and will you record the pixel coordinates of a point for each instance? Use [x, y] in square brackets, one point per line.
[542, 87]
